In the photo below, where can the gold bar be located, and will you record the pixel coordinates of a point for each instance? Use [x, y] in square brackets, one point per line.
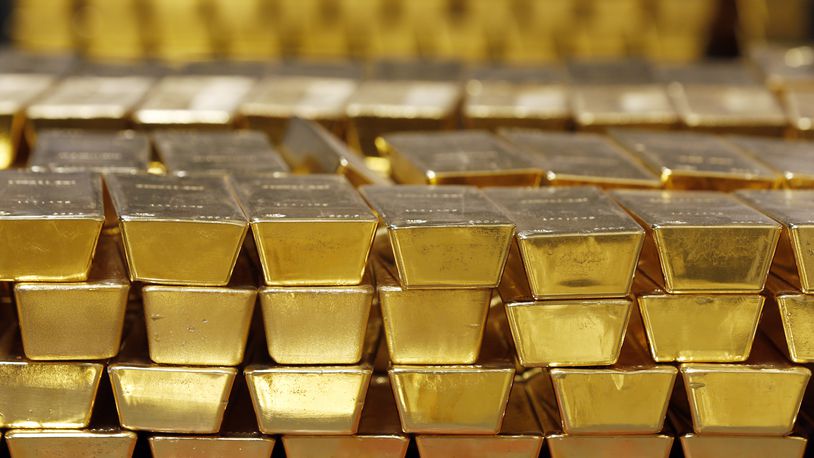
[693, 160]
[784, 68]
[702, 242]
[790, 158]
[309, 230]
[17, 91]
[687, 327]
[178, 30]
[68, 151]
[89, 443]
[76, 321]
[178, 230]
[469, 157]
[581, 159]
[113, 29]
[787, 320]
[191, 101]
[380, 106]
[598, 107]
[51, 223]
[245, 29]
[193, 152]
[799, 105]
[794, 210]
[574, 242]
[310, 148]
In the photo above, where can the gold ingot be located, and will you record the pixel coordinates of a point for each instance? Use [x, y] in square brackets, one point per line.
[380, 106]
[50, 225]
[581, 159]
[73, 321]
[794, 260]
[191, 101]
[729, 108]
[310, 148]
[697, 161]
[687, 327]
[90, 443]
[67, 151]
[211, 446]
[17, 91]
[799, 103]
[702, 242]
[597, 107]
[782, 67]
[178, 230]
[44, 26]
[431, 326]
[112, 29]
[716, 445]
[309, 230]
[787, 320]
[790, 158]
[473, 157]
[573, 242]
[379, 433]
[245, 29]
[178, 30]
[443, 236]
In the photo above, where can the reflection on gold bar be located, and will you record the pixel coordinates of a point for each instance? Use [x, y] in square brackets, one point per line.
[794, 210]
[193, 101]
[51, 223]
[793, 159]
[784, 68]
[194, 152]
[473, 157]
[379, 433]
[89, 443]
[789, 321]
[16, 92]
[691, 160]
[581, 158]
[687, 327]
[309, 230]
[71, 321]
[520, 436]
[573, 241]
[702, 242]
[310, 148]
[598, 107]
[178, 230]
[734, 109]
[445, 236]
[381, 106]
[67, 151]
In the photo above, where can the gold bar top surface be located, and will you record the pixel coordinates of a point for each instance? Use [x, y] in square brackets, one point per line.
[88, 97]
[29, 195]
[404, 99]
[791, 208]
[17, 90]
[191, 99]
[312, 97]
[794, 159]
[92, 151]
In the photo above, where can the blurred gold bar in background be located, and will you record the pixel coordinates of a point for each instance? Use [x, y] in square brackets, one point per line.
[245, 29]
[89, 443]
[17, 91]
[179, 30]
[788, 320]
[793, 159]
[44, 25]
[113, 29]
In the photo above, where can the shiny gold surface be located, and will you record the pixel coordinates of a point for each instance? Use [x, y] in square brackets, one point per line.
[702, 241]
[728, 108]
[71, 321]
[788, 320]
[56, 443]
[66, 150]
[449, 236]
[211, 446]
[793, 159]
[597, 107]
[309, 230]
[16, 92]
[712, 446]
[799, 105]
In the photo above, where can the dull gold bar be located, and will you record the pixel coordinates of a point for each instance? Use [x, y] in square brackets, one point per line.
[581, 159]
[792, 159]
[783, 68]
[799, 103]
[443, 236]
[67, 151]
[178, 230]
[599, 107]
[702, 242]
[787, 320]
[468, 157]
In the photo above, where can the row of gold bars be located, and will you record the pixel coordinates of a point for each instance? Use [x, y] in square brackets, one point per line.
[601, 291]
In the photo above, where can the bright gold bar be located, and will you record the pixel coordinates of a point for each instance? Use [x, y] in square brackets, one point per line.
[178, 230]
[309, 230]
[574, 242]
[50, 224]
[581, 159]
[687, 327]
[443, 236]
[793, 159]
[76, 321]
[694, 160]
[598, 107]
[470, 157]
[310, 148]
[17, 91]
[702, 242]
[178, 30]
[788, 320]
[67, 151]
[794, 210]
[196, 152]
[89, 443]
[190, 101]
[380, 106]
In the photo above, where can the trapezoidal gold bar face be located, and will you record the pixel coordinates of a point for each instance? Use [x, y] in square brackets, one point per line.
[697, 161]
[443, 236]
[193, 101]
[17, 91]
[195, 152]
[788, 320]
[67, 151]
[91, 443]
[211, 446]
[597, 107]
[309, 230]
[702, 242]
[581, 159]
[791, 158]
[573, 241]
[794, 210]
[716, 445]
[76, 321]
[729, 108]
[50, 224]
[178, 230]
[473, 157]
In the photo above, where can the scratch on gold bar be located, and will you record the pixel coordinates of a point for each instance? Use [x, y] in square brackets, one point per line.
[16, 92]
[702, 242]
[190, 152]
[90, 443]
[598, 107]
[573, 241]
[51, 223]
[473, 157]
[178, 230]
[443, 236]
[309, 230]
[793, 159]
[581, 158]
[68, 151]
[788, 320]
